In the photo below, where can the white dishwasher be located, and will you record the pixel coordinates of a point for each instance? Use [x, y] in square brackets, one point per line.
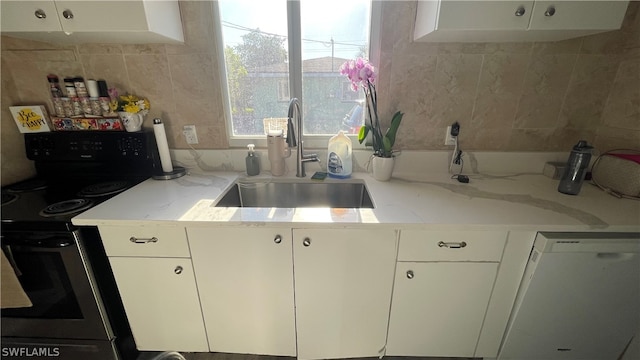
[579, 298]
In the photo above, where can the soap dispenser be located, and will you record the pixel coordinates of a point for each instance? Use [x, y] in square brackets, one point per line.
[252, 161]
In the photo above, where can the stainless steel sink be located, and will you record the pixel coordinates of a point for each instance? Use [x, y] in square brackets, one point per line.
[297, 194]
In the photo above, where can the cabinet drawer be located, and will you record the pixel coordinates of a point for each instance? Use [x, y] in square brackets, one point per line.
[422, 245]
[156, 241]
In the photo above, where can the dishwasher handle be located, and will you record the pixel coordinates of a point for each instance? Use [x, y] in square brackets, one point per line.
[615, 256]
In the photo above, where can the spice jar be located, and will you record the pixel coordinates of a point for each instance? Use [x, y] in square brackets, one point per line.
[104, 105]
[54, 86]
[81, 89]
[58, 107]
[96, 109]
[77, 107]
[86, 106]
[70, 88]
[67, 106]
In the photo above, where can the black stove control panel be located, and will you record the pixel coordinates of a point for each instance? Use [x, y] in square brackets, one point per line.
[91, 146]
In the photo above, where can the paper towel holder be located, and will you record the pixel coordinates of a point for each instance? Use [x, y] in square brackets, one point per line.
[177, 171]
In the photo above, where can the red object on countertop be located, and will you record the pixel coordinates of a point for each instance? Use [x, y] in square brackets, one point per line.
[632, 157]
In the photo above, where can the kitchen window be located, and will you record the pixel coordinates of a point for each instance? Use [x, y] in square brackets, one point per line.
[278, 49]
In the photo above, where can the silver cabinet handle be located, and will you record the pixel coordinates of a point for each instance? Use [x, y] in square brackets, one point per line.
[452, 245]
[550, 11]
[410, 274]
[277, 239]
[40, 14]
[520, 11]
[178, 270]
[134, 239]
[306, 242]
[67, 14]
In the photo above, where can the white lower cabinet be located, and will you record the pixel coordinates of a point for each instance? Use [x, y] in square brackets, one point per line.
[444, 282]
[343, 282]
[245, 280]
[343, 285]
[439, 307]
[161, 302]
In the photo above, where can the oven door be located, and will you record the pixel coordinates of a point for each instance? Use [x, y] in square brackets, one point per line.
[56, 276]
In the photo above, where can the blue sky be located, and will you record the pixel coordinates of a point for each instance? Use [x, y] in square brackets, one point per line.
[346, 21]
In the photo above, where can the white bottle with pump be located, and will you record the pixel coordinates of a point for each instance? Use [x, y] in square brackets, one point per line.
[339, 156]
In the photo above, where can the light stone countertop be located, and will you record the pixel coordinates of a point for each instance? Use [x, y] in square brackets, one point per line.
[518, 201]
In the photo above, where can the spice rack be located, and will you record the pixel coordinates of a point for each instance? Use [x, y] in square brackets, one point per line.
[81, 105]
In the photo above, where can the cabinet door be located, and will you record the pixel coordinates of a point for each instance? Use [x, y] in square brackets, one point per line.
[484, 15]
[102, 15]
[438, 308]
[22, 16]
[161, 302]
[245, 279]
[578, 15]
[343, 283]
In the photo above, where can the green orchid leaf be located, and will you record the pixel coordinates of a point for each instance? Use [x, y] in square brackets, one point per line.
[386, 142]
[362, 134]
[390, 136]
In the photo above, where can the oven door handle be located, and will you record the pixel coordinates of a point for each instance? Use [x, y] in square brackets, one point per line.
[12, 261]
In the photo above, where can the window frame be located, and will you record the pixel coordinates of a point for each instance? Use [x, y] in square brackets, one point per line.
[294, 42]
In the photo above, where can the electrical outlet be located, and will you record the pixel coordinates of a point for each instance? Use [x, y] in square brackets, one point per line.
[190, 134]
[448, 138]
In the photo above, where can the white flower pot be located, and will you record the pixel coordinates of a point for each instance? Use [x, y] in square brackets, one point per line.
[382, 167]
[132, 121]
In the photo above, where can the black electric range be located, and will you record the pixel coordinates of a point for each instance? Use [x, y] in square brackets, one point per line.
[76, 311]
[76, 171]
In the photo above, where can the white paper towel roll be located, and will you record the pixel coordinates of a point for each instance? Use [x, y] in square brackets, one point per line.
[163, 146]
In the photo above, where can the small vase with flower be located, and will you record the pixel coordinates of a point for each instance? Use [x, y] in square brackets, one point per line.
[362, 74]
[131, 109]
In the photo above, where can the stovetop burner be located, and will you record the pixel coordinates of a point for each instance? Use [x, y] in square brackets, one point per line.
[27, 185]
[8, 198]
[104, 189]
[66, 207]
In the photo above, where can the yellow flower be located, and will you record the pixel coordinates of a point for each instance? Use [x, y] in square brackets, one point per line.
[113, 105]
[130, 103]
[132, 108]
[129, 98]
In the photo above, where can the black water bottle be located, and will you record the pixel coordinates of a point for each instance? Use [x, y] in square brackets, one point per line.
[576, 168]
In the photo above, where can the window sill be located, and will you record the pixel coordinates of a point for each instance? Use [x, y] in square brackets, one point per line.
[310, 142]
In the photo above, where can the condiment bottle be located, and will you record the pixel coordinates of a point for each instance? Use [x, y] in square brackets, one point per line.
[576, 168]
[81, 89]
[252, 162]
[54, 86]
[70, 88]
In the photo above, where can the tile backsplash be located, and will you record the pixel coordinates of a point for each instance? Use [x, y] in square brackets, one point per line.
[506, 96]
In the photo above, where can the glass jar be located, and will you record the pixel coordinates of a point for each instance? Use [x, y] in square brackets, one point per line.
[70, 88]
[54, 86]
[67, 107]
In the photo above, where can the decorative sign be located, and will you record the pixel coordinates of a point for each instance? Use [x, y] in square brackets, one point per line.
[30, 118]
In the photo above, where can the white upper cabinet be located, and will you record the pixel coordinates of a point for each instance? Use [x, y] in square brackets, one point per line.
[133, 21]
[596, 16]
[498, 21]
[37, 16]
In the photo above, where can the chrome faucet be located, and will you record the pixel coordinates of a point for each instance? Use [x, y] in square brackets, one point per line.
[294, 110]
